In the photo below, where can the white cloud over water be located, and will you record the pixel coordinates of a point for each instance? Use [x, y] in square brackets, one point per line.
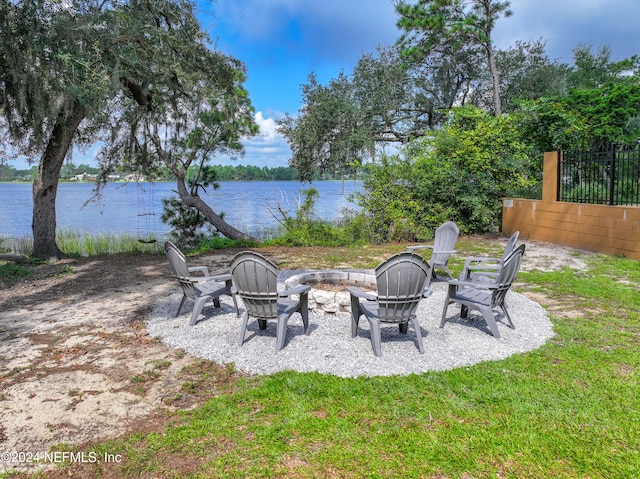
[268, 148]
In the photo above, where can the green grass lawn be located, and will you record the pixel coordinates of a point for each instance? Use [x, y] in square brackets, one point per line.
[570, 409]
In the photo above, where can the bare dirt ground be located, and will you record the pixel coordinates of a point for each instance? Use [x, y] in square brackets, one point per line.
[77, 365]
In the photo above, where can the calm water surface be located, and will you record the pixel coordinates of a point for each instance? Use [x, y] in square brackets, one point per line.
[136, 208]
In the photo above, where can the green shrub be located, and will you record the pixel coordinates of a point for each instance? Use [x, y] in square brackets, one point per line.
[219, 242]
[306, 229]
[460, 173]
[11, 272]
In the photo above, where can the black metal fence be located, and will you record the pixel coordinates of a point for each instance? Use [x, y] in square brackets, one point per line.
[605, 177]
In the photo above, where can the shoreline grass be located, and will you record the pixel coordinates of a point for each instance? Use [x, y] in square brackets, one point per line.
[83, 243]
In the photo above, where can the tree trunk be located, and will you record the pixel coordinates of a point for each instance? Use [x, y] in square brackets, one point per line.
[196, 202]
[495, 78]
[45, 184]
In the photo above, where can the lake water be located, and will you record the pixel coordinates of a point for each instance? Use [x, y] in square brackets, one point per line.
[136, 208]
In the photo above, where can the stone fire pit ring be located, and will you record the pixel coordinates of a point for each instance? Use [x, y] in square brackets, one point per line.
[332, 301]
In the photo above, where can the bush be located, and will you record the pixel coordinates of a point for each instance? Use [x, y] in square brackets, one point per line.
[219, 242]
[11, 272]
[306, 229]
[460, 173]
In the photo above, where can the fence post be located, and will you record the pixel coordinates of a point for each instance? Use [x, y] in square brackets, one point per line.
[550, 177]
[612, 174]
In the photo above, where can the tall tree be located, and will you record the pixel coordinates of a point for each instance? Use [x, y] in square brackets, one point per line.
[64, 66]
[51, 80]
[200, 110]
[344, 123]
[461, 24]
[527, 73]
[384, 91]
[592, 70]
[329, 133]
[384, 101]
[449, 77]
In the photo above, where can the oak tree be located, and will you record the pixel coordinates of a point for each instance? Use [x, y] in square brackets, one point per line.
[67, 67]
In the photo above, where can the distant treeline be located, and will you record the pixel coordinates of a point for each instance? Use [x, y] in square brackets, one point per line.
[222, 173]
[256, 173]
[67, 172]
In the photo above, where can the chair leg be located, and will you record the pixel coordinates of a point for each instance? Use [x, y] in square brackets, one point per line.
[304, 312]
[443, 320]
[181, 303]
[230, 292]
[464, 311]
[281, 331]
[403, 327]
[197, 309]
[430, 275]
[216, 302]
[243, 328]
[487, 314]
[506, 315]
[416, 326]
[448, 271]
[355, 316]
[374, 326]
[235, 303]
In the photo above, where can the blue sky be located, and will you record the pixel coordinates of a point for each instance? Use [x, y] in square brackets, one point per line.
[282, 41]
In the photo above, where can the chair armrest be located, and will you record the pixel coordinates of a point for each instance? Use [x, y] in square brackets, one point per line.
[428, 246]
[361, 294]
[483, 267]
[420, 246]
[479, 263]
[221, 277]
[218, 277]
[480, 274]
[199, 269]
[300, 289]
[473, 284]
[480, 259]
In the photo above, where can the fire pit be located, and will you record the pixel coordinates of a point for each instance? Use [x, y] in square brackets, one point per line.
[328, 288]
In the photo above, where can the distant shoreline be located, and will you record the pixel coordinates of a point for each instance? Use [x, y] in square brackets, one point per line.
[170, 181]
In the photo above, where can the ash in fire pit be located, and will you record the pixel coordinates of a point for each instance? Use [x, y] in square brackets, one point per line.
[328, 288]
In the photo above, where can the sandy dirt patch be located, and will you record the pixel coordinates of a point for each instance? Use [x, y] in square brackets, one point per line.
[77, 364]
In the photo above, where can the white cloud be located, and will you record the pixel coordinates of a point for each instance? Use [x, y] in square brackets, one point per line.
[268, 148]
[268, 131]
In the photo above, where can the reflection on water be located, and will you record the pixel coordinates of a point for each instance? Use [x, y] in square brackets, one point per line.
[133, 208]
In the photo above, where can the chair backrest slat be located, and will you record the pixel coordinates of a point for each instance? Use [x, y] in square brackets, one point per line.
[507, 275]
[179, 268]
[511, 244]
[401, 281]
[445, 240]
[256, 279]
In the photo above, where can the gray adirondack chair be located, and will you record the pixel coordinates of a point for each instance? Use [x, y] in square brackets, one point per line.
[485, 268]
[200, 288]
[256, 280]
[443, 247]
[485, 296]
[401, 284]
